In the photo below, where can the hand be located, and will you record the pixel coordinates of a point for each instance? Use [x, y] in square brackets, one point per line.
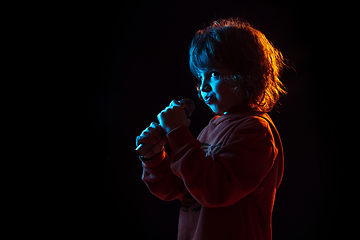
[155, 134]
[173, 117]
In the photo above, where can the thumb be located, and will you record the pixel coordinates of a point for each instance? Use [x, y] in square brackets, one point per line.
[175, 103]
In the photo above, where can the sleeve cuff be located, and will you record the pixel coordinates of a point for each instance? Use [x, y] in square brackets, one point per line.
[180, 137]
[154, 161]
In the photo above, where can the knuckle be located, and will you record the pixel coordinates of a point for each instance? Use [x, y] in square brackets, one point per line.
[140, 139]
[145, 131]
[161, 114]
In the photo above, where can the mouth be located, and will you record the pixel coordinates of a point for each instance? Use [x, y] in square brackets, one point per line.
[209, 99]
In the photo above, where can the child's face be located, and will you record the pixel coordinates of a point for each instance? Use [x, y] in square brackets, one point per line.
[218, 93]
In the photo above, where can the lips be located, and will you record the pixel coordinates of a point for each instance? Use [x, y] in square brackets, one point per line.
[209, 99]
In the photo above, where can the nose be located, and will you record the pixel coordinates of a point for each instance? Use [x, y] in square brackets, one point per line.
[205, 87]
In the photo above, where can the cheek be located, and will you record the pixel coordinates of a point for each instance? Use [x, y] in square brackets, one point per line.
[224, 91]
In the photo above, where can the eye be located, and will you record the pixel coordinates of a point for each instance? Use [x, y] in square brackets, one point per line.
[215, 74]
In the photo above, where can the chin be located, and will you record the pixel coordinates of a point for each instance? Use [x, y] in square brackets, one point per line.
[216, 110]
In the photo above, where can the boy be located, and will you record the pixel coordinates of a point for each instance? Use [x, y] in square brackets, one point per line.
[227, 177]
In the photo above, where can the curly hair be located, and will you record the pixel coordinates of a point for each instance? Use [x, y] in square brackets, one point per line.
[255, 63]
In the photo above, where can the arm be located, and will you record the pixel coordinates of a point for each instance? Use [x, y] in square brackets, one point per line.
[157, 175]
[236, 170]
[159, 178]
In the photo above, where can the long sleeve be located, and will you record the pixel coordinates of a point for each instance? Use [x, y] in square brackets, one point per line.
[159, 178]
[236, 169]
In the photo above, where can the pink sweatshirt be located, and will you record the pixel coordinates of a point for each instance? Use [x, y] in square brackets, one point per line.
[226, 178]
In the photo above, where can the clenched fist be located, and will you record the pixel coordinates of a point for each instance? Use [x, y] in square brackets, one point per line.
[173, 117]
[154, 134]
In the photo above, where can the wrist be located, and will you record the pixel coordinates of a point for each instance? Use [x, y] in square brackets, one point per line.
[173, 129]
[180, 137]
[153, 161]
[146, 159]
[151, 154]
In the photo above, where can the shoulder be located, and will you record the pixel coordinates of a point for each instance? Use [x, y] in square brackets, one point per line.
[255, 122]
[251, 134]
[256, 127]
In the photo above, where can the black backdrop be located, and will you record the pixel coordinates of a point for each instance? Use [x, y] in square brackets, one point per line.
[135, 61]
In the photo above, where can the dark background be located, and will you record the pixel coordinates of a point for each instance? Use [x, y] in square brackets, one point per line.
[134, 60]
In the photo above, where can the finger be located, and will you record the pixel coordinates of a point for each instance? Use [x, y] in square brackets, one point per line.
[156, 131]
[141, 139]
[175, 103]
[159, 129]
[148, 133]
[155, 150]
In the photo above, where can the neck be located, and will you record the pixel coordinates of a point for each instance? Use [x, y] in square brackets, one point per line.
[238, 109]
